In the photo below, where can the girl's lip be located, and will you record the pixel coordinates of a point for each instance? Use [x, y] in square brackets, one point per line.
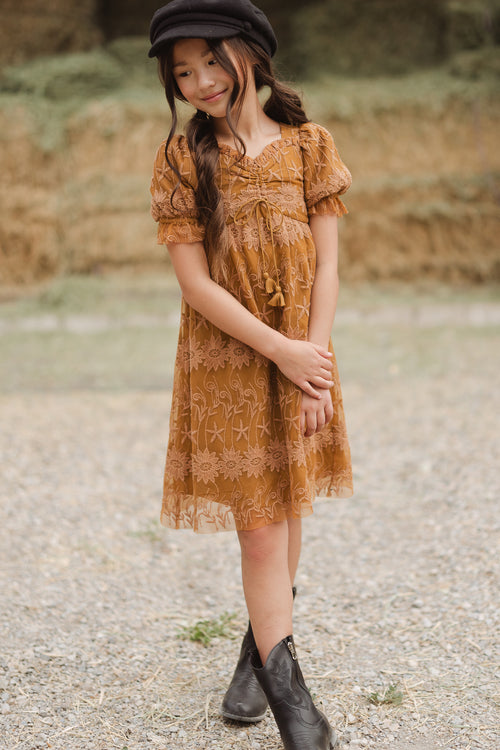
[214, 96]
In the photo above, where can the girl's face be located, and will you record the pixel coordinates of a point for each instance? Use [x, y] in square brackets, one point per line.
[201, 79]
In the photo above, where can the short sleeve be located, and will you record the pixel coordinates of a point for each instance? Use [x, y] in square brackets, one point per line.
[173, 203]
[325, 175]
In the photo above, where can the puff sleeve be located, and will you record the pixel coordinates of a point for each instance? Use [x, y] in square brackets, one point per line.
[325, 176]
[175, 209]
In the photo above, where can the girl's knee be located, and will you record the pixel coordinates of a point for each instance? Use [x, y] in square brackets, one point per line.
[258, 545]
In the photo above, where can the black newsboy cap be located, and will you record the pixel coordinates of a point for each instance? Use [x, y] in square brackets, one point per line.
[210, 19]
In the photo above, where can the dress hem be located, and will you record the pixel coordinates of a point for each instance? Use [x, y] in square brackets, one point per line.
[212, 526]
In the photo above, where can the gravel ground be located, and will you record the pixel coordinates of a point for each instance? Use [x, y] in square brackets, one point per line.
[398, 594]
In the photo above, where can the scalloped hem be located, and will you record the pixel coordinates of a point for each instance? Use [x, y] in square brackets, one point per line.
[215, 517]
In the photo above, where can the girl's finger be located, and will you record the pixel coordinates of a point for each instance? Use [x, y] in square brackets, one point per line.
[324, 352]
[326, 367]
[320, 382]
[329, 413]
[325, 362]
[311, 424]
[307, 388]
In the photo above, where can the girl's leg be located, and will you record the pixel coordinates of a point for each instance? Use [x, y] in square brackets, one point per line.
[266, 583]
[244, 699]
[294, 545]
[269, 558]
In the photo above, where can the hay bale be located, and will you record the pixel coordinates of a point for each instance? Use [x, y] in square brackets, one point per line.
[424, 157]
[32, 28]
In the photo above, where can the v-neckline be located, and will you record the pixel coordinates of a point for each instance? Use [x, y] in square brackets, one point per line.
[271, 145]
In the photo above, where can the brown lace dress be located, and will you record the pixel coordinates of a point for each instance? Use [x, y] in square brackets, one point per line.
[236, 457]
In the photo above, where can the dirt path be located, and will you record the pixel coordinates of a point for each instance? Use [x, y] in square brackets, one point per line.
[398, 586]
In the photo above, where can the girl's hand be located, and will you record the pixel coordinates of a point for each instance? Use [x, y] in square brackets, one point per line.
[305, 364]
[315, 413]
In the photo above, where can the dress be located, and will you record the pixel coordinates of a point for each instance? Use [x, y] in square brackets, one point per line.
[236, 458]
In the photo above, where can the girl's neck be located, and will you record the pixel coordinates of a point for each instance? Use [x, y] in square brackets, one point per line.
[252, 125]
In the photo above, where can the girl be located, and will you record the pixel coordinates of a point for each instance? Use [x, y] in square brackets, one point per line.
[247, 204]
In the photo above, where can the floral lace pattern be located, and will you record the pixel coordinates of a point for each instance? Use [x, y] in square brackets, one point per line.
[236, 457]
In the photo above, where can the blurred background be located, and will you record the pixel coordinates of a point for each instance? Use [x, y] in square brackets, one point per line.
[409, 88]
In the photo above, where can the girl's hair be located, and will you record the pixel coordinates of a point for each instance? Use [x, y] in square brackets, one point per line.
[283, 105]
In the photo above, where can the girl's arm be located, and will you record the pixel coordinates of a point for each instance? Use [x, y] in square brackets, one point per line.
[318, 412]
[305, 363]
[325, 289]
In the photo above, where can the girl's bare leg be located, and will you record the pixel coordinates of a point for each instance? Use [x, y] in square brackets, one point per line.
[266, 583]
[294, 545]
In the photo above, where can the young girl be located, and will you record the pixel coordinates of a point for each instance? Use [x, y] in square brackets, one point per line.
[247, 204]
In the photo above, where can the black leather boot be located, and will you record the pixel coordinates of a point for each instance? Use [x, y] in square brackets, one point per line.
[301, 725]
[244, 699]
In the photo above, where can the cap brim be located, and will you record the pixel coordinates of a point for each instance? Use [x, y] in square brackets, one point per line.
[192, 31]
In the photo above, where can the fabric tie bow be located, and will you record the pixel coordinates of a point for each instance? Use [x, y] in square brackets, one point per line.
[263, 209]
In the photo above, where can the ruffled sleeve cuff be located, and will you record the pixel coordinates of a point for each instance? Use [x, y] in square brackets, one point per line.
[330, 204]
[326, 177]
[180, 230]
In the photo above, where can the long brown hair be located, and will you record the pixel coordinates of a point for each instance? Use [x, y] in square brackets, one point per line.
[283, 105]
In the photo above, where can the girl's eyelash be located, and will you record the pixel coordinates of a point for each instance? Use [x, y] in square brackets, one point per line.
[185, 73]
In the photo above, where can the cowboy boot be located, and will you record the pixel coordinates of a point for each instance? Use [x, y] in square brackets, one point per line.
[301, 725]
[244, 699]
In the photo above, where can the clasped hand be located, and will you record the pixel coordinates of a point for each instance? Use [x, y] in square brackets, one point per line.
[307, 365]
[315, 413]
